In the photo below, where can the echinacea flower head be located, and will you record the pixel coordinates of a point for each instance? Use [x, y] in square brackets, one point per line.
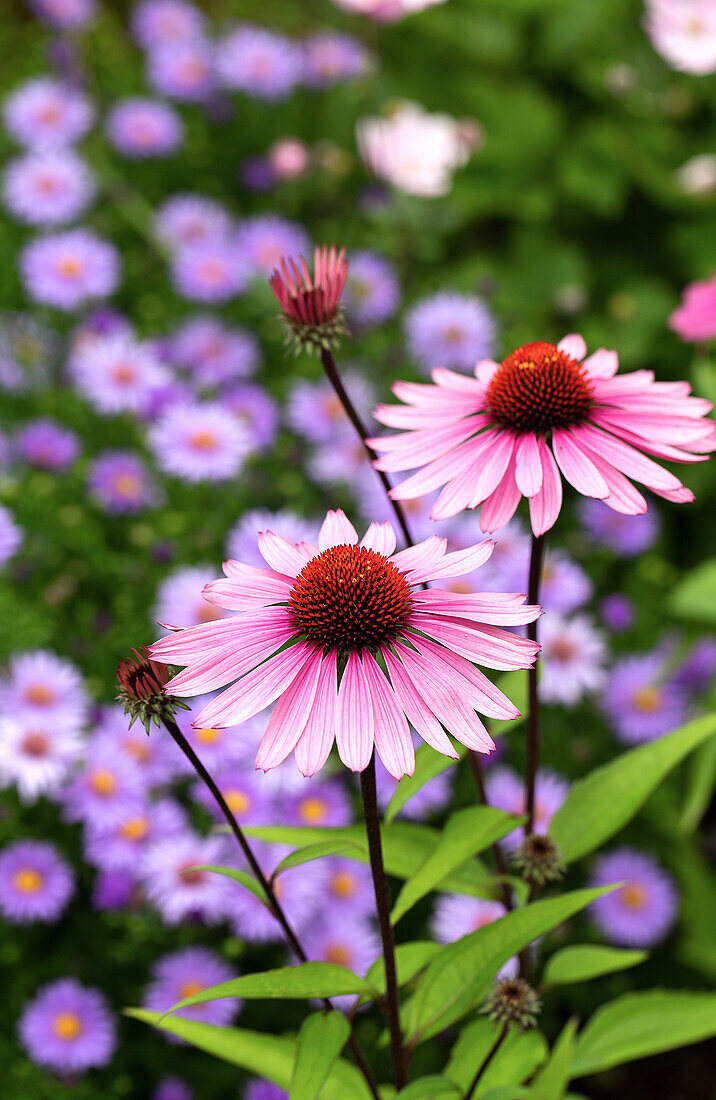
[264, 239]
[64, 14]
[259, 62]
[449, 330]
[118, 374]
[372, 290]
[37, 756]
[340, 607]
[506, 791]
[330, 58]
[142, 128]
[35, 882]
[188, 219]
[179, 890]
[185, 973]
[11, 535]
[161, 22]
[67, 270]
[68, 1028]
[255, 410]
[642, 911]
[120, 482]
[47, 188]
[40, 686]
[572, 659]
[625, 535]
[47, 114]
[199, 441]
[510, 430]
[210, 271]
[684, 33]
[695, 319]
[311, 305]
[47, 445]
[214, 353]
[641, 701]
[182, 70]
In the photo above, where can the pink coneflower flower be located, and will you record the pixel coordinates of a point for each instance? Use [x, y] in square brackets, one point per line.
[338, 606]
[311, 305]
[200, 442]
[695, 319]
[507, 433]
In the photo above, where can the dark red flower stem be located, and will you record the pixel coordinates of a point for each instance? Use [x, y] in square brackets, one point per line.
[273, 902]
[329, 366]
[382, 903]
[478, 1076]
[539, 543]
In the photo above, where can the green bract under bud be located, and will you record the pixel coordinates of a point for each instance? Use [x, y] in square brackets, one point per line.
[514, 1003]
[141, 684]
[313, 338]
[538, 860]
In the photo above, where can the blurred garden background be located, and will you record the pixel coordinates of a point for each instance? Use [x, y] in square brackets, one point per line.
[499, 171]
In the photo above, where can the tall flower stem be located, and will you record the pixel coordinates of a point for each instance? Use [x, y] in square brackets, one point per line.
[382, 902]
[478, 1076]
[274, 904]
[539, 543]
[329, 366]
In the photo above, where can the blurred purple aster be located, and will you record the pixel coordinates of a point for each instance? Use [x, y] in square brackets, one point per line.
[161, 22]
[35, 882]
[241, 540]
[457, 915]
[200, 442]
[264, 1090]
[47, 188]
[214, 353]
[184, 973]
[564, 585]
[141, 128]
[179, 598]
[67, 1028]
[506, 791]
[211, 271]
[572, 659]
[47, 114]
[37, 757]
[100, 791]
[114, 891]
[243, 791]
[155, 756]
[300, 891]
[178, 891]
[120, 482]
[432, 797]
[259, 62]
[353, 944]
[218, 748]
[41, 686]
[11, 536]
[627, 536]
[182, 70]
[696, 672]
[640, 913]
[27, 350]
[118, 374]
[120, 847]
[172, 1088]
[323, 804]
[47, 445]
[188, 219]
[255, 411]
[265, 239]
[66, 270]
[64, 14]
[330, 58]
[315, 412]
[449, 330]
[639, 701]
[372, 290]
[257, 174]
[349, 888]
[617, 612]
[341, 460]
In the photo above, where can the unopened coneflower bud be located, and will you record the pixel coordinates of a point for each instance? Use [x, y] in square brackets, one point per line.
[141, 684]
[514, 1003]
[311, 307]
[538, 860]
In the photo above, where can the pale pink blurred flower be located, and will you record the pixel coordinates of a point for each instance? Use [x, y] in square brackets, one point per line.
[684, 33]
[695, 319]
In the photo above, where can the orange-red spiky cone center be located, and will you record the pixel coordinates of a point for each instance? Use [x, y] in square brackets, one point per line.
[350, 598]
[539, 387]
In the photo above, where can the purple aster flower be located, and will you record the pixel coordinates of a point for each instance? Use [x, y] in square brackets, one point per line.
[100, 792]
[217, 748]
[182, 70]
[68, 269]
[27, 350]
[35, 882]
[140, 128]
[506, 791]
[243, 791]
[349, 888]
[572, 659]
[330, 58]
[639, 701]
[457, 915]
[156, 756]
[353, 944]
[315, 412]
[627, 536]
[617, 612]
[185, 973]
[241, 540]
[178, 891]
[643, 911]
[172, 1088]
[211, 271]
[120, 847]
[120, 483]
[257, 174]
[161, 22]
[11, 536]
[320, 804]
[265, 238]
[47, 445]
[259, 62]
[188, 219]
[695, 674]
[118, 374]
[179, 597]
[341, 460]
[213, 352]
[40, 686]
[432, 797]
[449, 330]
[255, 411]
[37, 756]
[47, 188]
[200, 442]
[47, 114]
[67, 1028]
[264, 1090]
[114, 891]
[64, 14]
[372, 290]
[564, 585]
[300, 890]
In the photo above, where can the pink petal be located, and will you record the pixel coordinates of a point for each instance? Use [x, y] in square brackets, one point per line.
[354, 717]
[240, 592]
[576, 466]
[469, 681]
[316, 740]
[219, 667]
[255, 690]
[417, 710]
[289, 716]
[528, 467]
[493, 466]
[336, 530]
[414, 449]
[454, 380]
[281, 555]
[545, 506]
[499, 508]
[198, 641]
[573, 345]
[495, 608]
[601, 364]
[455, 564]
[392, 738]
[424, 553]
[381, 538]
[628, 460]
[623, 497]
[456, 495]
[676, 496]
[440, 470]
[490, 646]
[445, 701]
[485, 369]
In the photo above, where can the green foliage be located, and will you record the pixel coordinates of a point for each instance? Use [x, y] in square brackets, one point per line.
[317, 851]
[694, 597]
[516, 1060]
[580, 962]
[320, 1041]
[553, 1078]
[429, 1088]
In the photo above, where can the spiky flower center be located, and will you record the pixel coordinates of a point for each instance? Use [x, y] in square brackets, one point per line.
[537, 388]
[350, 598]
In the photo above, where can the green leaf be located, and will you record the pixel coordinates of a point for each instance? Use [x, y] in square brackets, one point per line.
[552, 1080]
[310, 979]
[465, 833]
[584, 961]
[515, 1061]
[458, 978]
[694, 596]
[410, 959]
[506, 1092]
[429, 1088]
[640, 1024]
[318, 851]
[598, 806]
[246, 879]
[700, 785]
[320, 1041]
[428, 764]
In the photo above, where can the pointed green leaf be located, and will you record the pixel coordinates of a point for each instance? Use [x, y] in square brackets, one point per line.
[552, 1080]
[584, 961]
[700, 785]
[318, 851]
[410, 959]
[429, 1088]
[465, 833]
[515, 1061]
[694, 596]
[320, 1041]
[246, 879]
[598, 806]
[640, 1024]
[506, 1092]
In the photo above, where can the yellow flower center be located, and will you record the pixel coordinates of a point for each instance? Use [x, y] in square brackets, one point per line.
[203, 440]
[134, 828]
[208, 737]
[189, 989]
[27, 881]
[338, 954]
[103, 782]
[40, 695]
[343, 884]
[67, 1025]
[634, 896]
[647, 699]
[237, 801]
[127, 485]
[312, 809]
[70, 267]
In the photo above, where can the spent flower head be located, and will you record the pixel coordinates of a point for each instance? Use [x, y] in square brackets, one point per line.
[514, 1003]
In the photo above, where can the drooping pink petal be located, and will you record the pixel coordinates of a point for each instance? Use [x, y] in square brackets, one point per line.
[283, 556]
[392, 737]
[450, 668]
[574, 345]
[440, 470]
[417, 710]
[219, 667]
[545, 505]
[256, 689]
[485, 369]
[316, 740]
[420, 555]
[455, 564]
[528, 466]
[623, 497]
[380, 537]
[445, 701]
[501, 505]
[191, 642]
[290, 715]
[601, 364]
[240, 592]
[354, 717]
[495, 608]
[493, 465]
[577, 466]
[456, 495]
[418, 447]
[336, 530]
[627, 459]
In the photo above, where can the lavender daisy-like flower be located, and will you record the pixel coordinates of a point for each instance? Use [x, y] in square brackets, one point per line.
[37, 756]
[323, 804]
[217, 748]
[183, 70]
[353, 944]
[572, 659]
[349, 888]
[259, 62]
[11, 535]
[118, 374]
[185, 973]
[264, 1090]
[243, 791]
[47, 188]
[449, 330]
[625, 535]
[255, 410]
[642, 912]
[64, 14]
[200, 442]
[121, 846]
[241, 541]
[68, 1028]
[695, 673]
[432, 797]
[66, 270]
[506, 791]
[114, 891]
[617, 612]
[180, 601]
[372, 291]
[300, 890]
[161, 22]
[142, 128]
[188, 219]
[315, 412]
[100, 791]
[330, 58]
[40, 686]
[214, 353]
[36, 883]
[120, 482]
[210, 271]
[263, 240]
[47, 114]
[47, 445]
[640, 701]
[172, 1088]
[457, 915]
[156, 757]
[179, 891]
